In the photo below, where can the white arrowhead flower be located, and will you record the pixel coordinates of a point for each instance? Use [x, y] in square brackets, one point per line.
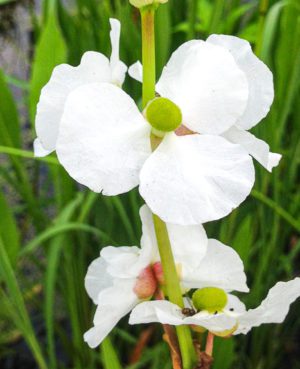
[104, 141]
[185, 90]
[222, 89]
[123, 277]
[94, 67]
[220, 272]
[220, 312]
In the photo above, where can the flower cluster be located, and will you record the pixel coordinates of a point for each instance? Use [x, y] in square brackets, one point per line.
[209, 95]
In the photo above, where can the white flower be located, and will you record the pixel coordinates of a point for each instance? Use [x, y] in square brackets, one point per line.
[94, 67]
[104, 141]
[123, 277]
[220, 268]
[232, 319]
[209, 108]
[181, 87]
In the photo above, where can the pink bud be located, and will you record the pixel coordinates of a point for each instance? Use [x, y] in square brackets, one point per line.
[146, 284]
[158, 272]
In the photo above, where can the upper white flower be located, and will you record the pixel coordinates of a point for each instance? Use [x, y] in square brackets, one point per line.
[94, 67]
[233, 318]
[209, 105]
[103, 141]
[123, 277]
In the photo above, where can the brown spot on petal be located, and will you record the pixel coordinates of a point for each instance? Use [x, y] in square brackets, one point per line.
[183, 131]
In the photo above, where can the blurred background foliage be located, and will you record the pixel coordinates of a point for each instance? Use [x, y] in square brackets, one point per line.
[50, 228]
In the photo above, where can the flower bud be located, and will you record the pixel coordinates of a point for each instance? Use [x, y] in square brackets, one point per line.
[146, 284]
[163, 114]
[211, 299]
[159, 273]
[142, 3]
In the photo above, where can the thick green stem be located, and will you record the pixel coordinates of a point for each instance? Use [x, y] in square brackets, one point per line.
[187, 350]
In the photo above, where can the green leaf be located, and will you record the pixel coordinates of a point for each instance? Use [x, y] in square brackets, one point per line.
[277, 208]
[109, 356]
[9, 230]
[50, 51]
[223, 353]
[163, 36]
[18, 305]
[9, 120]
[4, 2]
[243, 239]
[27, 155]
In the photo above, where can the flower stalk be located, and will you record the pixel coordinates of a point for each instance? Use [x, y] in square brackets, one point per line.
[173, 290]
[148, 51]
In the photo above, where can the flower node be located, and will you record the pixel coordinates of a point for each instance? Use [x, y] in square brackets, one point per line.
[211, 299]
[142, 3]
[163, 114]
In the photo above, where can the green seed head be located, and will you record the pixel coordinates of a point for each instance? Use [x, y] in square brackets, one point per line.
[163, 114]
[211, 299]
[142, 3]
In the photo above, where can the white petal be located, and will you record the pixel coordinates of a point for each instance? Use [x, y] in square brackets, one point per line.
[39, 150]
[274, 308]
[156, 311]
[215, 323]
[136, 71]
[259, 77]
[208, 86]
[122, 262]
[103, 139]
[118, 68]
[94, 67]
[188, 243]
[234, 307]
[196, 178]
[167, 313]
[117, 301]
[148, 241]
[257, 148]
[221, 267]
[97, 279]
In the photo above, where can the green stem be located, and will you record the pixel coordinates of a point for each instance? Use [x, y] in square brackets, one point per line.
[187, 350]
[148, 50]
[174, 291]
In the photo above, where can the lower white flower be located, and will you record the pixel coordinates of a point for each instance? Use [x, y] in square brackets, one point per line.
[94, 67]
[123, 277]
[219, 312]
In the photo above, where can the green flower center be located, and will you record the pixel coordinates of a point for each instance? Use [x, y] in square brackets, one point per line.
[163, 114]
[212, 299]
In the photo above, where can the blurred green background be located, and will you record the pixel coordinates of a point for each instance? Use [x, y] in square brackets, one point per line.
[50, 228]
